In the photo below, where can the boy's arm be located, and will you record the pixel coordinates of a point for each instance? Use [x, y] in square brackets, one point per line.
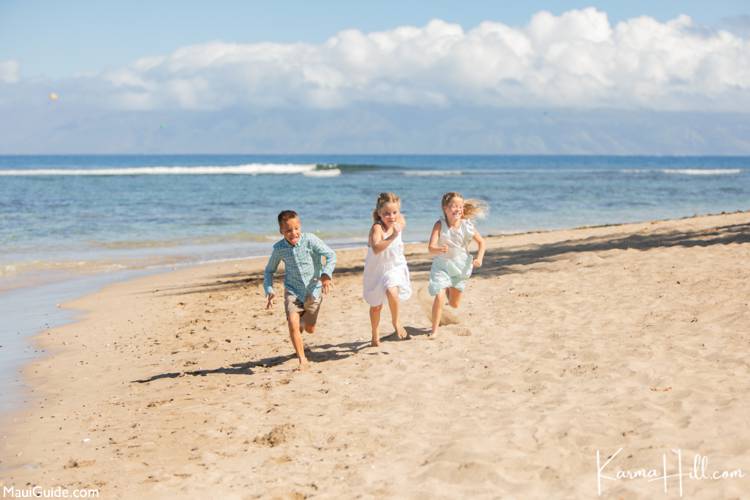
[271, 267]
[321, 249]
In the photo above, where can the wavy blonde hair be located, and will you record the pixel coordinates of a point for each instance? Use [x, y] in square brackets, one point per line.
[384, 198]
[472, 208]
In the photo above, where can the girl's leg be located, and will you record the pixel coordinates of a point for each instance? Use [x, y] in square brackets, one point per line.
[437, 311]
[294, 334]
[454, 297]
[392, 294]
[374, 322]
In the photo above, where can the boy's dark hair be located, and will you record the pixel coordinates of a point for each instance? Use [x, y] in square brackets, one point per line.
[285, 215]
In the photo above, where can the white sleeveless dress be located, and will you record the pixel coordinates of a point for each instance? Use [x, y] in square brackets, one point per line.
[385, 270]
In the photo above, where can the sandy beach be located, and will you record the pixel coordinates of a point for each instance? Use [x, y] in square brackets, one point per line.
[571, 343]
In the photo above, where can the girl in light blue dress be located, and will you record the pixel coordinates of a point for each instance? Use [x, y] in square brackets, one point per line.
[449, 243]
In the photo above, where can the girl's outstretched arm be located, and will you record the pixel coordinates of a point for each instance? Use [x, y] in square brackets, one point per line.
[480, 254]
[377, 241]
[432, 246]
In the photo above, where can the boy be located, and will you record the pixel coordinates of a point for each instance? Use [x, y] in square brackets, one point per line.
[305, 277]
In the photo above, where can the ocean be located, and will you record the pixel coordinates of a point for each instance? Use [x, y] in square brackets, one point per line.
[66, 217]
[73, 214]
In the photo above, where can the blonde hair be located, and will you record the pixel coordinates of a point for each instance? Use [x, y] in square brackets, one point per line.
[472, 208]
[384, 198]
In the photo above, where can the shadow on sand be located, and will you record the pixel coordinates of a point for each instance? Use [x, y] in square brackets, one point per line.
[317, 354]
[496, 262]
[500, 260]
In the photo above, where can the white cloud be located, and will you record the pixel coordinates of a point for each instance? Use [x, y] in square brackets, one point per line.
[577, 59]
[9, 71]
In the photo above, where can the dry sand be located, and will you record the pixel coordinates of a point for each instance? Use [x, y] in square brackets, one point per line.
[633, 336]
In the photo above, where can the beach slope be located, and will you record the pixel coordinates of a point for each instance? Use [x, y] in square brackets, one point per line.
[626, 337]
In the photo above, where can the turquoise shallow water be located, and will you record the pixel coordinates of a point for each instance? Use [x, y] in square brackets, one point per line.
[55, 210]
[64, 217]
[29, 310]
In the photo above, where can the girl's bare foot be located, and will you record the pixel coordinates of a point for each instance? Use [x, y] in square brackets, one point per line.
[449, 316]
[433, 334]
[375, 340]
[401, 333]
[303, 365]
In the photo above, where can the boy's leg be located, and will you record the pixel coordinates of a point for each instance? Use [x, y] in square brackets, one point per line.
[309, 316]
[437, 310]
[392, 294]
[296, 337]
[304, 325]
[374, 322]
[293, 307]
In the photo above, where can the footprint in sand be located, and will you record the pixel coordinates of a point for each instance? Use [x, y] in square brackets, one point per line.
[278, 435]
[449, 317]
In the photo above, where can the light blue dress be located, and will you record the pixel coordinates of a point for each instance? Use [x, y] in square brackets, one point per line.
[452, 269]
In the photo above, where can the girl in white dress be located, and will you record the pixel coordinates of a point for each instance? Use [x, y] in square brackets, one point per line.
[386, 274]
[449, 243]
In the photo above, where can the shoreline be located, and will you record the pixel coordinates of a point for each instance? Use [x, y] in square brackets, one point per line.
[56, 313]
[218, 293]
[90, 282]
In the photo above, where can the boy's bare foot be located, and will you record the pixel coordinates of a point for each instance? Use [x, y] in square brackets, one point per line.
[375, 340]
[303, 365]
[433, 334]
[401, 332]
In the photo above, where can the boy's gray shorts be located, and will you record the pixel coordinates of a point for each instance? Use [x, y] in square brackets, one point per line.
[308, 310]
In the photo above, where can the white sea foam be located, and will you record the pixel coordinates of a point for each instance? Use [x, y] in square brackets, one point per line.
[329, 172]
[38, 266]
[249, 169]
[703, 171]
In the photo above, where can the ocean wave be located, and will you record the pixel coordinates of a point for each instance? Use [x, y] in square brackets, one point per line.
[685, 171]
[702, 171]
[431, 173]
[219, 239]
[249, 169]
[354, 168]
[308, 170]
[17, 268]
[325, 172]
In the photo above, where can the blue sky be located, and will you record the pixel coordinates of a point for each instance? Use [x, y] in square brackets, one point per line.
[626, 77]
[60, 38]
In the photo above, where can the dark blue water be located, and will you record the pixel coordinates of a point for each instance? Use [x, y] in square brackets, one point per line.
[58, 212]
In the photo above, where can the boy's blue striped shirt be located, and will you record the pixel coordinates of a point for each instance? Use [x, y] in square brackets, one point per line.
[303, 265]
